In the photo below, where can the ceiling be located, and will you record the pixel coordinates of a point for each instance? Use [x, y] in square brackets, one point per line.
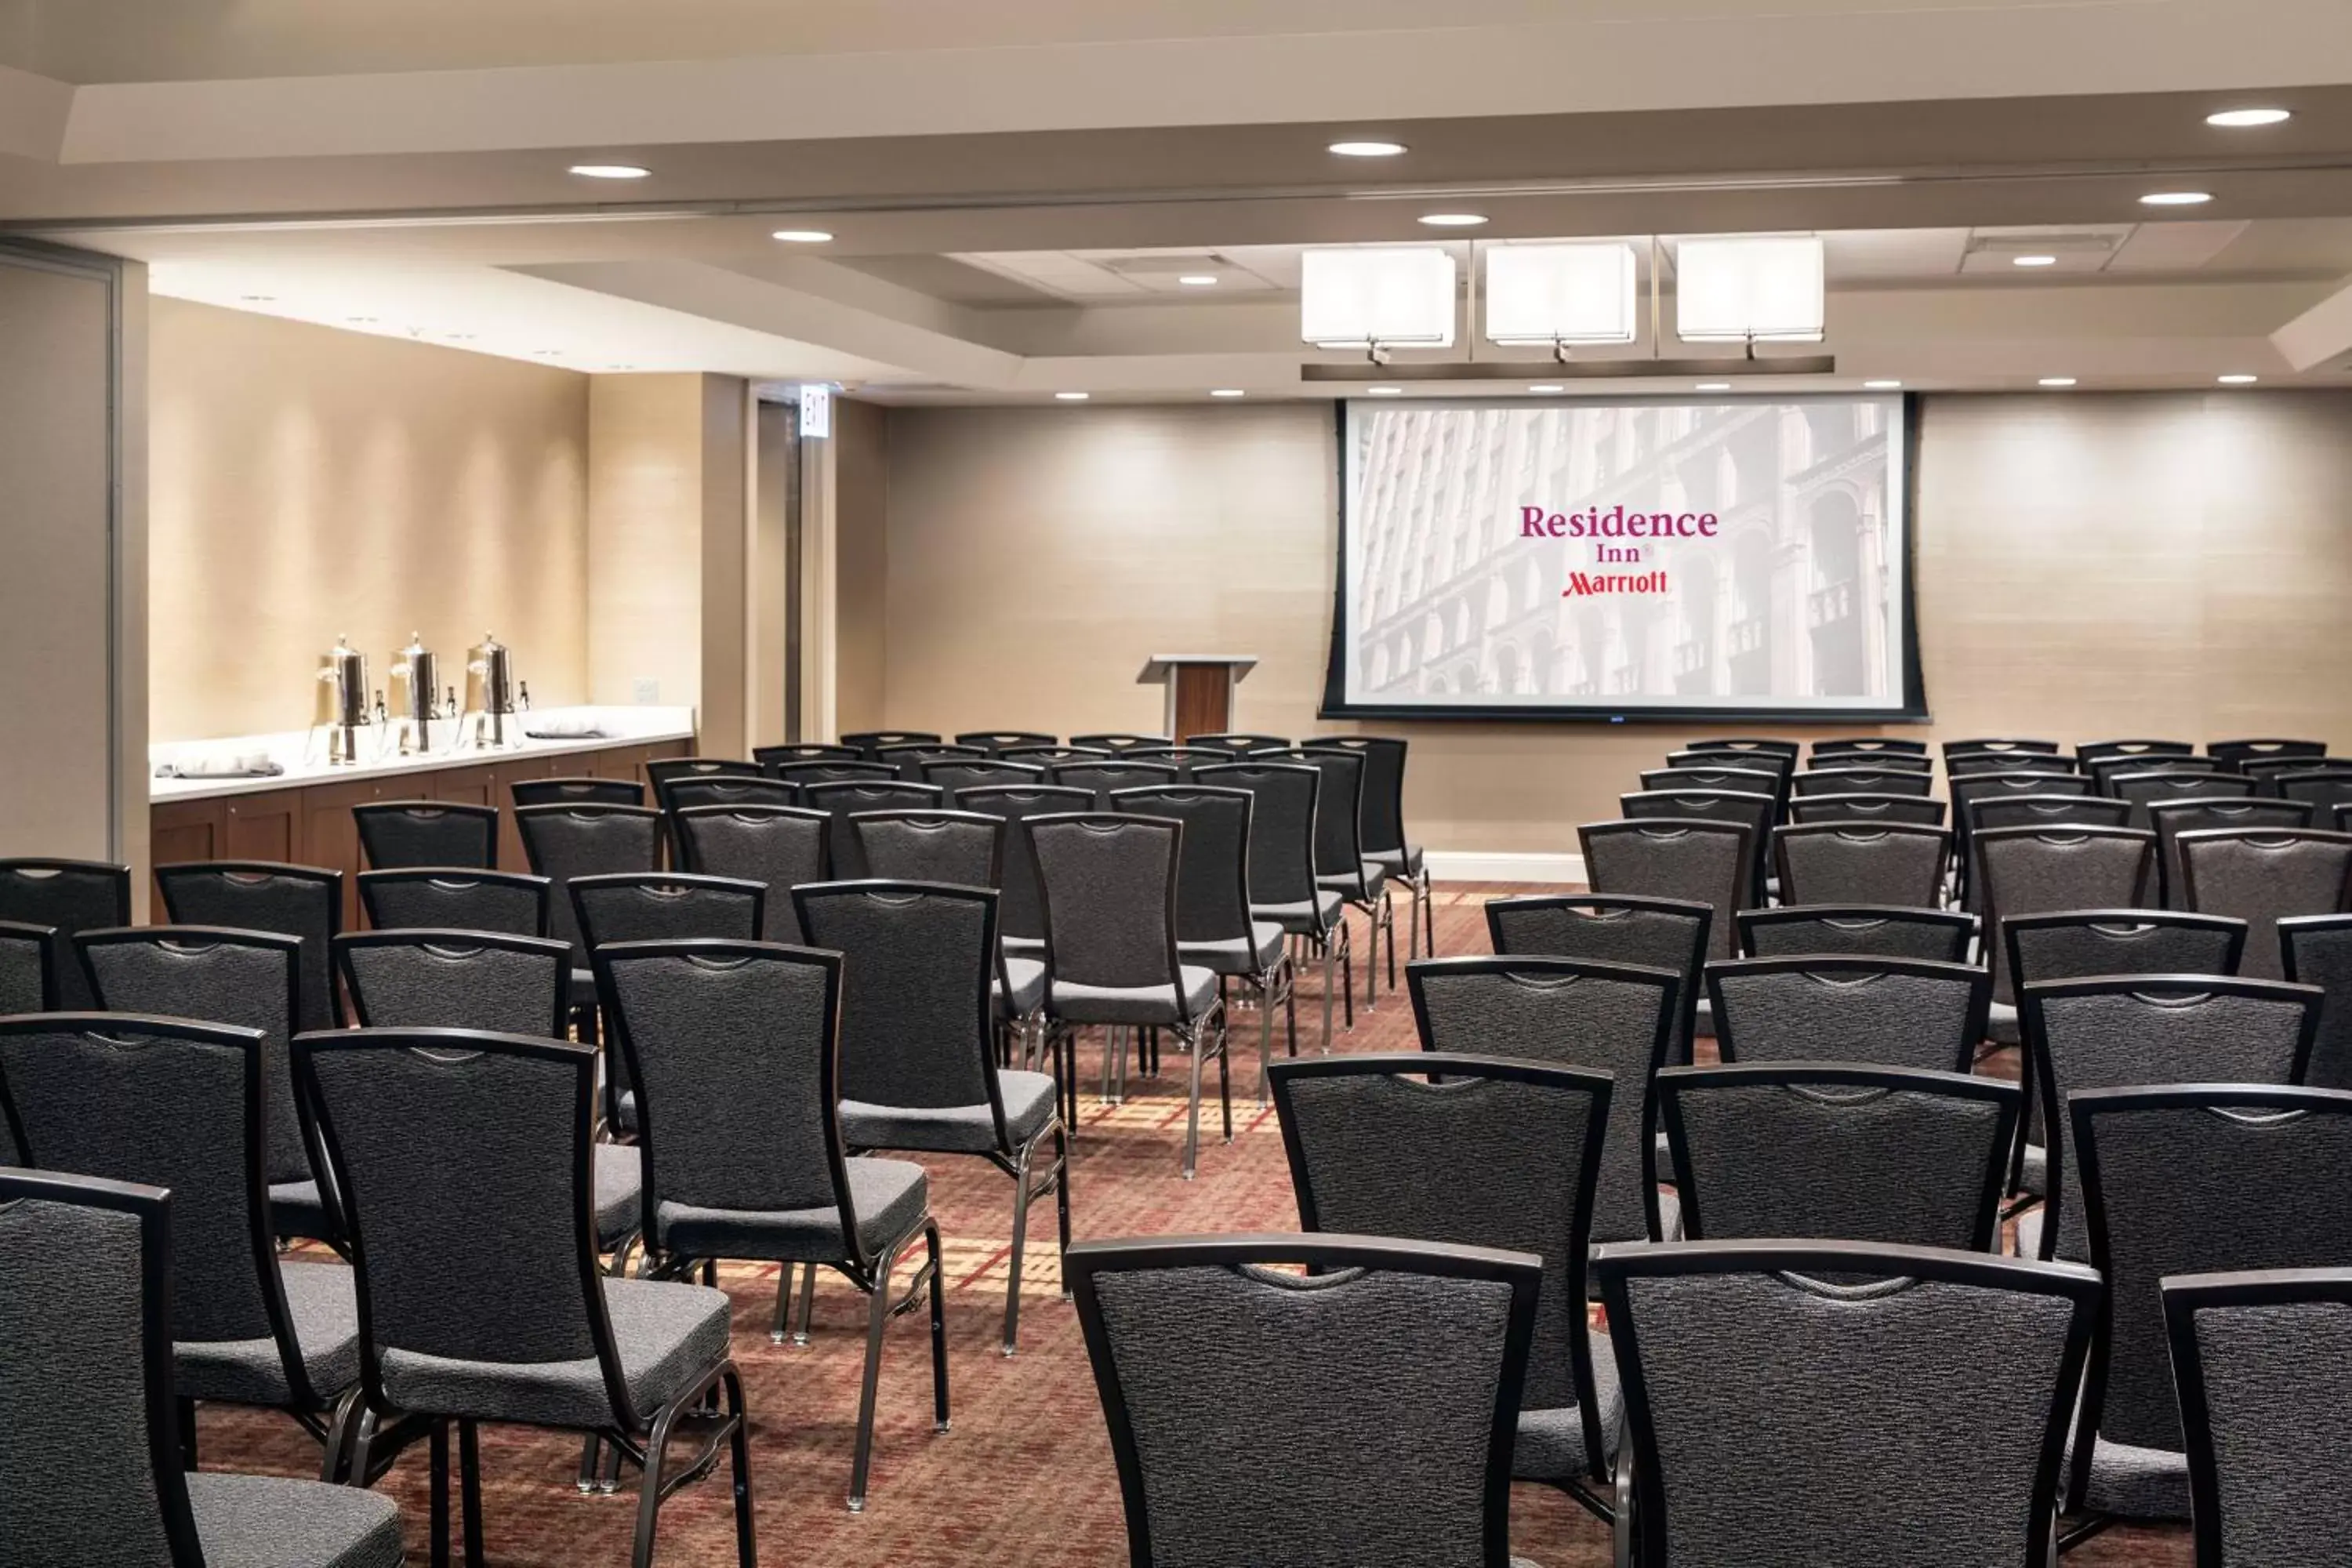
[1018, 193]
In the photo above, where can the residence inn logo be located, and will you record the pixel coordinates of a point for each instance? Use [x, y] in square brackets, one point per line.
[1615, 523]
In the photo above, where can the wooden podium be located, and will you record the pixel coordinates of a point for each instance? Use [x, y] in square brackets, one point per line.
[1200, 689]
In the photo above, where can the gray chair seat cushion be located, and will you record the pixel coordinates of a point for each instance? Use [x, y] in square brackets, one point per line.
[890, 1197]
[1550, 1446]
[297, 1211]
[2001, 1026]
[1022, 989]
[1703, 1019]
[2029, 1233]
[1136, 1004]
[1029, 1102]
[669, 1335]
[2136, 1483]
[1371, 873]
[1300, 918]
[620, 1180]
[264, 1522]
[1408, 860]
[320, 1300]
[2034, 1174]
[1253, 954]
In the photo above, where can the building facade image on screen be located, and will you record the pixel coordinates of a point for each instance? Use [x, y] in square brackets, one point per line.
[1740, 554]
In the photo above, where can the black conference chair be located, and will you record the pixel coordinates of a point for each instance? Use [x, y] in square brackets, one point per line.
[512, 903]
[304, 902]
[69, 897]
[396, 835]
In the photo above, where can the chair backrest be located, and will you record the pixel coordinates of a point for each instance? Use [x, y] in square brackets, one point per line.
[568, 841]
[2142, 790]
[1868, 746]
[1107, 776]
[661, 906]
[1285, 806]
[2192, 1180]
[1889, 864]
[1381, 820]
[910, 761]
[666, 770]
[2113, 1032]
[2034, 870]
[2319, 787]
[2243, 751]
[1840, 1152]
[917, 1026]
[300, 901]
[1890, 1011]
[1338, 810]
[2266, 772]
[1050, 757]
[399, 834]
[1789, 749]
[246, 979]
[1213, 903]
[725, 790]
[1940, 936]
[2078, 944]
[1237, 744]
[1617, 1018]
[1779, 765]
[996, 742]
[1887, 1444]
[2262, 874]
[735, 1049]
[1499, 1153]
[1021, 909]
[1742, 780]
[771, 758]
[1109, 884]
[869, 742]
[2047, 811]
[1659, 934]
[841, 801]
[1866, 808]
[1998, 746]
[527, 792]
[959, 774]
[512, 903]
[1673, 858]
[1754, 813]
[2259, 1361]
[833, 771]
[2092, 752]
[31, 958]
[1392, 1358]
[962, 847]
[2316, 950]
[69, 897]
[457, 979]
[1844, 780]
[467, 1159]
[778, 847]
[1977, 765]
[176, 1105]
[91, 1416]
[1119, 743]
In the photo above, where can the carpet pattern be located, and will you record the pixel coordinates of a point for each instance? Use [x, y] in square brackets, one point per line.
[1025, 1476]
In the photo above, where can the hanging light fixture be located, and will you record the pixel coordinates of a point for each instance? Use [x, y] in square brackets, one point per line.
[1377, 297]
[1755, 291]
[1560, 294]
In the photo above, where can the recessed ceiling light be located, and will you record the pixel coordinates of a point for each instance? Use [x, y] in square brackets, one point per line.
[1713, 386]
[1385, 391]
[2057, 381]
[1367, 149]
[2033, 261]
[1881, 386]
[2238, 119]
[1073, 396]
[610, 170]
[1453, 220]
[801, 235]
[1198, 281]
[1548, 386]
[2176, 199]
[2238, 379]
[1229, 392]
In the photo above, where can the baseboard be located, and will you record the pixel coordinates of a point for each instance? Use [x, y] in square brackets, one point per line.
[1470, 866]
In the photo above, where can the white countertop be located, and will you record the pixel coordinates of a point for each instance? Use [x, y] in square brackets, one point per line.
[302, 754]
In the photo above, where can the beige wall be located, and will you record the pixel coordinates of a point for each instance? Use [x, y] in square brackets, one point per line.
[862, 469]
[2089, 565]
[306, 482]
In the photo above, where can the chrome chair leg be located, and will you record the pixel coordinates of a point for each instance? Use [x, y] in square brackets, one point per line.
[878, 1318]
[1192, 1116]
[1265, 983]
[783, 1302]
[1020, 1242]
[1331, 952]
[808, 1305]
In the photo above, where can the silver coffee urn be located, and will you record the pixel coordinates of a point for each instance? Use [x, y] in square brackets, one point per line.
[342, 711]
[416, 699]
[492, 693]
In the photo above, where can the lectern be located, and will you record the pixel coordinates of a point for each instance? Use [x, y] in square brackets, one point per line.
[1200, 689]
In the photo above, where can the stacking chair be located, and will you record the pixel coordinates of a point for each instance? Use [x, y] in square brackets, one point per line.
[1500, 1153]
[1844, 1152]
[90, 1317]
[1103, 777]
[1888, 1012]
[2093, 752]
[728, 789]
[806, 775]
[2258, 1360]
[185, 1106]
[1938, 936]
[1867, 746]
[2259, 875]
[2077, 945]
[247, 980]
[1779, 765]
[1893, 865]
[1659, 933]
[1738, 780]
[468, 1157]
[910, 761]
[30, 960]
[996, 742]
[2316, 950]
[2243, 751]
[2322, 787]
[1674, 857]
[1021, 909]
[1971, 791]
[778, 847]
[2047, 811]
[1389, 1358]
[69, 897]
[567, 841]
[2035, 870]
[399, 834]
[2267, 771]
[1118, 742]
[1282, 886]
[956, 773]
[656, 906]
[2188, 1179]
[1916, 1416]
[1753, 813]
[870, 742]
[1341, 865]
[1185, 759]
[917, 1069]
[738, 1046]
[2143, 790]
[511, 904]
[1789, 750]
[962, 847]
[1054, 756]
[1386, 843]
[527, 792]
[1866, 808]
[1109, 884]
[666, 770]
[771, 758]
[2114, 1031]
[1974, 764]
[1998, 747]
[2104, 771]
[1238, 745]
[1214, 927]
[1879, 780]
[300, 901]
[1617, 1018]
[841, 801]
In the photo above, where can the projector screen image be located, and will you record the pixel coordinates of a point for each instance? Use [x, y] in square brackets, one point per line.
[1645, 558]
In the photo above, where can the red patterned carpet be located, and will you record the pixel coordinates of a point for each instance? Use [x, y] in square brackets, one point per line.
[1026, 1476]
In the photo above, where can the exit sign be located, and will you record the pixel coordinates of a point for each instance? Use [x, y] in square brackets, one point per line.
[816, 411]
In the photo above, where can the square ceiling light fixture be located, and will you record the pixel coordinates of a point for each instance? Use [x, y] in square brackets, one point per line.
[1766, 290]
[1377, 297]
[1560, 294]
